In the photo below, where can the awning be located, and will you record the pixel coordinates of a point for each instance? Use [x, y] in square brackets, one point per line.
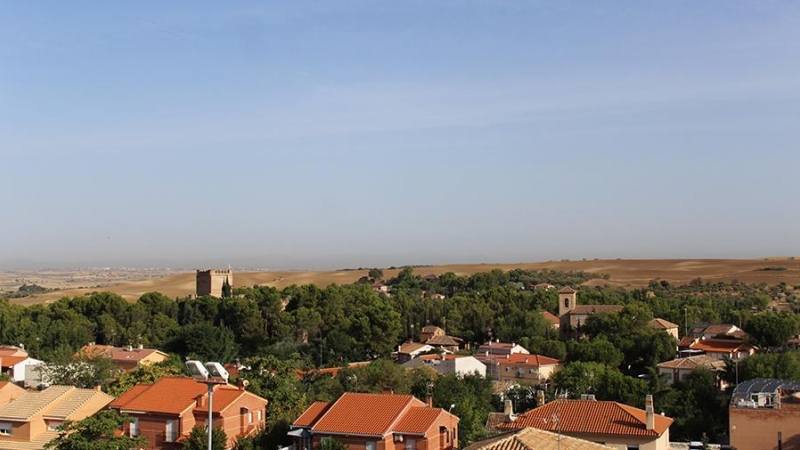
[299, 432]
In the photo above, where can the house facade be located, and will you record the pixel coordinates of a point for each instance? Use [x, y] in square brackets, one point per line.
[449, 364]
[522, 368]
[734, 349]
[376, 422]
[674, 371]
[609, 423]
[497, 348]
[165, 412]
[665, 326]
[31, 420]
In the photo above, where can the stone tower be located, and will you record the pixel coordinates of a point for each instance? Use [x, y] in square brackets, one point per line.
[567, 300]
[209, 282]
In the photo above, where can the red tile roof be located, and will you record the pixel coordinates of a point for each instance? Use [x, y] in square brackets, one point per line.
[417, 420]
[720, 345]
[312, 414]
[662, 324]
[693, 362]
[567, 290]
[174, 396]
[118, 353]
[535, 439]
[550, 317]
[442, 340]
[364, 414]
[9, 361]
[530, 360]
[590, 417]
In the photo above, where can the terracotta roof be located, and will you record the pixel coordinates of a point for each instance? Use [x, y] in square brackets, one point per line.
[686, 341]
[567, 290]
[590, 417]
[417, 420]
[442, 340]
[431, 329]
[720, 345]
[10, 350]
[715, 330]
[662, 324]
[588, 310]
[411, 347]
[332, 371]
[171, 395]
[10, 361]
[312, 414]
[535, 439]
[118, 354]
[525, 359]
[499, 348]
[363, 414]
[550, 317]
[693, 362]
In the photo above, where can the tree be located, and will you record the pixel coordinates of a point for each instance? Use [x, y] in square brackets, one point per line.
[331, 444]
[227, 291]
[97, 432]
[771, 329]
[82, 370]
[141, 374]
[198, 439]
[375, 274]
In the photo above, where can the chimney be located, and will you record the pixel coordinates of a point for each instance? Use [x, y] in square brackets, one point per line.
[98, 388]
[201, 401]
[508, 356]
[487, 353]
[651, 420]
[429, 400]
[141, 346]
[444, 356]
[130, 348]
[398, 348]
[508, 407]
[539, 397]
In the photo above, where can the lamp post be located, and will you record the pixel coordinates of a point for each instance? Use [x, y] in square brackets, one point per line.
[210, 373]
[452, 435]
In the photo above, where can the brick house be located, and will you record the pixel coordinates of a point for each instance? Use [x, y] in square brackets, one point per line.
[376, 422]
[734, 349]
[677, 369]
[165, 412]
[665, 326]
[608, 423]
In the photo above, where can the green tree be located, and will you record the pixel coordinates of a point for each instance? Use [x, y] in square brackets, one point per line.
[141, 374]
[97, 432]
[331, 444]
[375, 274]
[771, 329]
[198, 439]
[81, 370]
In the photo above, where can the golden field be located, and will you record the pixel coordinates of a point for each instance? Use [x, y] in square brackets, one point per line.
[626, 273]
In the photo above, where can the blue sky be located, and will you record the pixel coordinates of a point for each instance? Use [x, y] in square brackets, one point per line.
[348, 133]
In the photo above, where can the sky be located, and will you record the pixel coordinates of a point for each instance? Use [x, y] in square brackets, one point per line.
[332, 134]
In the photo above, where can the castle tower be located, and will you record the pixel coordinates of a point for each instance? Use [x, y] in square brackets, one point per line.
[210, 282]
[567, 300]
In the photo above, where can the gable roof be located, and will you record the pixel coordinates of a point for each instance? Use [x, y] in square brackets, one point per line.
[662, 324]
[498, 348]
[694, 362]
[431, 329]
[417, 420]
[173, 395]
[716, 345]
[62, 402]
[590, 417]
[312, 414]
[11, 361]
[371, 415]
[119, 354]
[442, 340]
[550, 317]
[526, 359]
[408, 348]
[363, 414]
[567, 290]
[534, 439]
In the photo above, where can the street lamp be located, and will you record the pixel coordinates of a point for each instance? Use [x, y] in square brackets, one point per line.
[210, 373]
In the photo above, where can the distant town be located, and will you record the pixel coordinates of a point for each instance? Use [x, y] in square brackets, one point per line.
[429, 361]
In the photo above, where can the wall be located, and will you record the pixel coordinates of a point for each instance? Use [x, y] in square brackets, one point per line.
[234, 423]
[757, 429]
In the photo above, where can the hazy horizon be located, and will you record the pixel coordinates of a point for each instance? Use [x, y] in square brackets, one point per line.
[353, 134]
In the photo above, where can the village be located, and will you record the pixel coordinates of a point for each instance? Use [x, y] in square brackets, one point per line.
[162, 408]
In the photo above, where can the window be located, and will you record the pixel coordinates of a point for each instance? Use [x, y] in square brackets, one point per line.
[171, 431]
[633, 446]
[411, 444]
[250, 417]
[5, 429]
[507, 369]
[258, 416]
[566, 303]
[135, 427]
[371, 445]
[53, 426]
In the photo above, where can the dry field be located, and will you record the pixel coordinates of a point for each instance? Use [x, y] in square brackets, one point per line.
[627, 273]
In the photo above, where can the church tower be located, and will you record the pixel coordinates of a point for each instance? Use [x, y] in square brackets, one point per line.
[567, 300]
